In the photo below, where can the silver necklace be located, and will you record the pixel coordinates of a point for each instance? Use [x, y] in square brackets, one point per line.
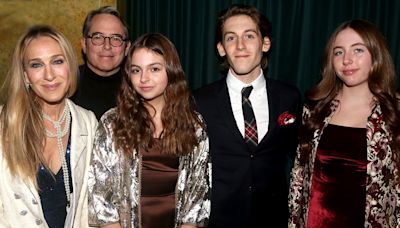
[59, 134]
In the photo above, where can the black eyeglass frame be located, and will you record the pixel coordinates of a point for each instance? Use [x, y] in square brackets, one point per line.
[104, 39]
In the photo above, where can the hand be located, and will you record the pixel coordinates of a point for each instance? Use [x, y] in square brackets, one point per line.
[114, 225]
[188, 226]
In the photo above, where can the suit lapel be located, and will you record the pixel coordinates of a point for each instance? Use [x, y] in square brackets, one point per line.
[79, 156]
[273, 106]
[225, 109]
[78, 139]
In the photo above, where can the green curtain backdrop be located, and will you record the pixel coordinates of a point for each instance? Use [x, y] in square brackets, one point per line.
[299, 33]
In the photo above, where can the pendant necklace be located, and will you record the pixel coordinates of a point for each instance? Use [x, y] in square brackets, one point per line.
[59, 134]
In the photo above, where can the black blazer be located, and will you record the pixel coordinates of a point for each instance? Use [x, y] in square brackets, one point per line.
[249, 188]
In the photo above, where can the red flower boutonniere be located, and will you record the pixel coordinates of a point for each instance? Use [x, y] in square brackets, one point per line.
[286, 118]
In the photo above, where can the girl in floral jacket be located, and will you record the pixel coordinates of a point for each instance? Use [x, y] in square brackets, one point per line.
[151, 165]
[346, 169]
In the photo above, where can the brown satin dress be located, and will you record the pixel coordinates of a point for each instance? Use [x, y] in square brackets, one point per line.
[339, 179]
[159, 176]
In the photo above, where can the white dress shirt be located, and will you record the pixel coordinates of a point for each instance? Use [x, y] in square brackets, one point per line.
[258, 99]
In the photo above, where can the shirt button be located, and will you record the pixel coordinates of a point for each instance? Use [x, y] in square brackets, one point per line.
[24, 212]
[38, 221]
[251, 156]
[249, 188]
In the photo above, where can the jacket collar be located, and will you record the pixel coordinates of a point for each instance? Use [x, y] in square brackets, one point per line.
[79, 135]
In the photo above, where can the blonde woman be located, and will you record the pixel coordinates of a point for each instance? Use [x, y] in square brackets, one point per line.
[45, 138]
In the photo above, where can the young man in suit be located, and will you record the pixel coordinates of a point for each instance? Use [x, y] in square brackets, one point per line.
[252, 138]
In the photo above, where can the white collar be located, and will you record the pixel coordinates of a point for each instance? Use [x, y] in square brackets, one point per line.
[236, 85]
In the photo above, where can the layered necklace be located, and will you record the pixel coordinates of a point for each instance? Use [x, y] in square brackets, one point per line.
[59, 134]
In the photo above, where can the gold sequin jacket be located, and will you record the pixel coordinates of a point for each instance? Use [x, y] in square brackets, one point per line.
[114, 182]
[382, 208]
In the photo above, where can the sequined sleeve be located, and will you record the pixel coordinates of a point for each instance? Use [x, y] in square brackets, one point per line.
[194, 185]
[104, 176]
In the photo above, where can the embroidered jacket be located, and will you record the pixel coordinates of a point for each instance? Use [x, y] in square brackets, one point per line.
[114, 182]
[382, 207]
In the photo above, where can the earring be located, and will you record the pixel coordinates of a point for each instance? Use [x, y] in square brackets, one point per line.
[27, 85]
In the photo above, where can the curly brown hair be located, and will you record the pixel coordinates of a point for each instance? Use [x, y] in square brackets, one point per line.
[381, 82]
[133, 126]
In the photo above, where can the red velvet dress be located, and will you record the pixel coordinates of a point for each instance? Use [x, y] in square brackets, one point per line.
[339, 179]
[159, 176]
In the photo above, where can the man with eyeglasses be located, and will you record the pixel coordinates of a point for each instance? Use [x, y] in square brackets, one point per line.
[105, 44]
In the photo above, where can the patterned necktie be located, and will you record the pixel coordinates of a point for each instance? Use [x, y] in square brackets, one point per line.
[250, 125]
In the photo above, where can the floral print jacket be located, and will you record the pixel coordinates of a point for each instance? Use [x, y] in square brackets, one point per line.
[114, 182]
[382, 208]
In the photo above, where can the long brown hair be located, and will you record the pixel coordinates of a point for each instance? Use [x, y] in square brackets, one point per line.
[133, 126]
[22, 130]
[381, 82]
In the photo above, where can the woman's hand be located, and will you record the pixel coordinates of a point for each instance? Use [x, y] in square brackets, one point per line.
[188, 226]
[114, 225]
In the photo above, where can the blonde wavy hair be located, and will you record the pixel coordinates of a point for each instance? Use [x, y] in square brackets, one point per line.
[21, 124]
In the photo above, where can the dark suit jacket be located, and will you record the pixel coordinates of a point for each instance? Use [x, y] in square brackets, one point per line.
[249, 188]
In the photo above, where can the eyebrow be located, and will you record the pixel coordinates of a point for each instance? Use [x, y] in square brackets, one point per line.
[245, 31]
[355, 44]
[100, 33]
[51, 57]
[149, 65]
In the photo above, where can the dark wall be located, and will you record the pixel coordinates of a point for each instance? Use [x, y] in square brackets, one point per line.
[299, 33]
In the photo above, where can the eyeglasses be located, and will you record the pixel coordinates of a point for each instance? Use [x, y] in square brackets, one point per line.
[99, 39]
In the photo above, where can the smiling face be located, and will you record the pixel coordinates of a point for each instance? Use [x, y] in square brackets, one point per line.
[149, 76]
[243, 47]
[46, 70]
[105, 59]
[352, 60]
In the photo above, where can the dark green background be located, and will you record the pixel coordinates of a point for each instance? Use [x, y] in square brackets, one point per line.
[300, 30]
